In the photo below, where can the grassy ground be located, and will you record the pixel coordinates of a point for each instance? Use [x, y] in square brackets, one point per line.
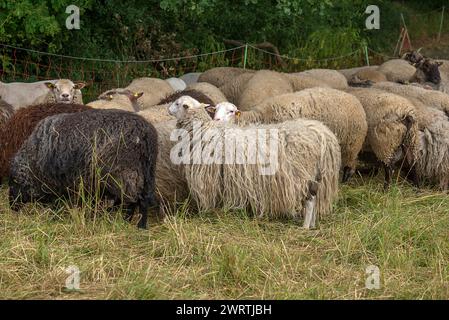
[230, 255]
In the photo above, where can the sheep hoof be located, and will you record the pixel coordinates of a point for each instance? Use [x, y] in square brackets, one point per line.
[310, 206]
[310, 215]
[347, 174]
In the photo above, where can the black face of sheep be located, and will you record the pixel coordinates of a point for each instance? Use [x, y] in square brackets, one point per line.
[430, 69]
[118, 148]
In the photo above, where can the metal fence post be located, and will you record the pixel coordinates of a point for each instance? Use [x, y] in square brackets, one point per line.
[245, 56]
[366, 55]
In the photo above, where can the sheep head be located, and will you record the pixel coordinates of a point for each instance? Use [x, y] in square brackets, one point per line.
[226, 112]
[109, 95]
[132, 96]
[429, 70]
[182, 105]
[64, 90]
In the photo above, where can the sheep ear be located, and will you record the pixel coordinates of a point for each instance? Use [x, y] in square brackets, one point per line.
[137, 95]
[79, 85]
[49, 85]
[238, 113]
[210, 109]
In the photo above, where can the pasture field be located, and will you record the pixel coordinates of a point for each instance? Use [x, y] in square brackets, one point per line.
[230, 255]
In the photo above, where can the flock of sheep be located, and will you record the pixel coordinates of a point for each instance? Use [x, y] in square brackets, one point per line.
[327, 123]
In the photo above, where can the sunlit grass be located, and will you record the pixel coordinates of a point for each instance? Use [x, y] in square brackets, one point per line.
[230, 255]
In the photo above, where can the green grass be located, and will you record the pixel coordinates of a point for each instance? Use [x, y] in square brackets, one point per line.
[230, 255]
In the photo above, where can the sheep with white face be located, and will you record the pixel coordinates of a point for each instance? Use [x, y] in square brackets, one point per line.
[226, 112]
[179, 107]
[64, 90]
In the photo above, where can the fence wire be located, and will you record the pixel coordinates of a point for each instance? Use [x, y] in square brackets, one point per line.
[21, 64]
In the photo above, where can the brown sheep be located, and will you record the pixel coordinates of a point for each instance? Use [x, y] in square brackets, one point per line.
[6, 112]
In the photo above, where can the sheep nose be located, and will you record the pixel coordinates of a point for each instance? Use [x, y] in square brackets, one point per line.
[65, 95]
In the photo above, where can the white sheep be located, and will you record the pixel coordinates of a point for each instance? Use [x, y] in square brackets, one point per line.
[221, 75]
[340, 111]
[122, 99]
[264, 84]
[211, 91]
[332, 78]
[349, 73]
[154, 90]
[21, 94]
[303, 180]
[392, 128]
[397, 70]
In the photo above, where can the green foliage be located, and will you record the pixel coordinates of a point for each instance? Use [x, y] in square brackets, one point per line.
[142, 29]
[308, 31]
[34, 23]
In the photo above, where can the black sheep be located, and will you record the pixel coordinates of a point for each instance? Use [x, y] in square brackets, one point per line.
[118, 146]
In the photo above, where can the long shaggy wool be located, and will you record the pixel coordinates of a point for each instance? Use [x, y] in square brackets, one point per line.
[431, 108]
[386, 114]
[115, 148]
[22, 124]
[6, 112]
[433, 156]
[221, 75]
[264, 84]
[307, 151]
[340, 111]
[171, 184]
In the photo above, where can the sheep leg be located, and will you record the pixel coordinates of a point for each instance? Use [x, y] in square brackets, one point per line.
[129, 211]
[444, 184]
[143, 208]
[144, 205]
[347, 174]
[310, 206]
[388, 175]
[414, 177]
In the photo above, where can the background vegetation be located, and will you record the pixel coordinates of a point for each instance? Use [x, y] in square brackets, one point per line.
[219, 254]
[148, 29]
[309, 31]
